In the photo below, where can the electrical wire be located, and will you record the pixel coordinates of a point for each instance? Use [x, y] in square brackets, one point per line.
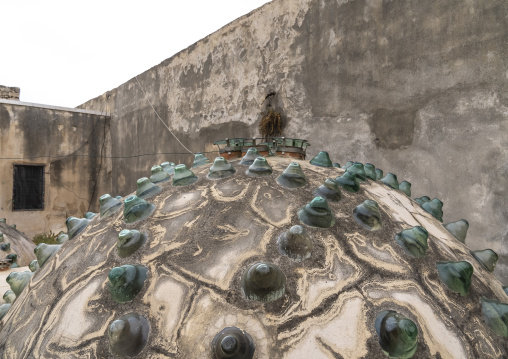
[164, 123]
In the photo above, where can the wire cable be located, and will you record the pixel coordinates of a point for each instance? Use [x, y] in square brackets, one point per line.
[164, 123]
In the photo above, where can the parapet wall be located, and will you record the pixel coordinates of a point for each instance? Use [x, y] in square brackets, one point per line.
[418, 88]
[9, 93]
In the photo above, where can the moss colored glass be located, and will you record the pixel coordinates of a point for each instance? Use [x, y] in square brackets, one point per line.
[398, 335]
[367, 215]
[9, 296]
[413, 241]
[232, 343]
[128, 335]
[18, 281]
[292, 177]
[136, 209]
[390, 180]
[405, 187]
[168, 167]
[259, 168]
[336, 165]
[75, 226]
[456, 275]
[183, 176]
[370, 171]
[126, 282]
[43, 252]
[422, 200]
[329, 190]
[487, 258]
[495, 315]
[6, 247]
[435, 208]
[295, 243]
[263, 282]
[1, 237]
[250, 156]
[14, 260]
[90, 215]
[317, 213]
[349, 182]
[347, 165]
[322, 160]
[199, 160]
[358, 171]
[109, 205]
[129, 241]
[458, 229]
[221, 168]
[146, 189]
[4, 308]
[34, 265]
[158, 175]
[61, 238]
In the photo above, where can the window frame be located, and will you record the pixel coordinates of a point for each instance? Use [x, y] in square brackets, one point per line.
[43, 195]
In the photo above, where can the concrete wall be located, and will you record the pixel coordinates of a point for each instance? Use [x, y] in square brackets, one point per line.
[71, 144]
[418, 88]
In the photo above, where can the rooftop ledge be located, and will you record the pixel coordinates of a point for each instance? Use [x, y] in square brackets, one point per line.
[231, 148]
[49, 107]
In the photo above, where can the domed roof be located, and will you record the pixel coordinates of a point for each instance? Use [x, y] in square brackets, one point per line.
[208, 270]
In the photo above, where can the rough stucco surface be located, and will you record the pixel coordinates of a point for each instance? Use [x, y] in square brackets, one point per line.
[71, 145]
[417, 88]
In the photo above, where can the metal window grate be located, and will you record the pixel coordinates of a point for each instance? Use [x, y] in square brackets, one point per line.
[28, 188]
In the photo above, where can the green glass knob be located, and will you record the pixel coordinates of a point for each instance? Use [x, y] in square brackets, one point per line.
[370, 171]
[3, 220]
[146, 189]
[347, 165]
[118, 197]
[126, 282]
[336, 165]
[108, 205]
[405, 187]
[456, 275]
[168, 167]
[250, 156]
[487, 258]
[14, 260]
[199, 160]
[435, 208]
[75, 226]
[3, 309]
[458, 229]
[379, 174]
[1, 237]
[295, 243]
[34, 265]
[128, 335]
[158, 175]
[259, 168]
[322, 160]
[422, 200]
[9, 296]
[358, 171]
[232, 343]
[397, 335]
[391, 181]
[495, 315]
[136, 209]
[329, 190]
[90, 215]
[505, 288]
[221, 168]
[14, 226]
[61, 238]
[367, 215]
[18, 281]
[183, 176]
[413, 241]
[263, 282]
[6, 247]
[129, 241]
[317, 213]
[292, 177]
[43, 252]
[349, 182]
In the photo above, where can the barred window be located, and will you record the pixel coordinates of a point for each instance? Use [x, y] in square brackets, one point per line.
[28, 188]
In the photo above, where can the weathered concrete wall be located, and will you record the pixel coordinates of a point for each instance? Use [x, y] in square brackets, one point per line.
[71, 144]
[9, 93]
[418, 88]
